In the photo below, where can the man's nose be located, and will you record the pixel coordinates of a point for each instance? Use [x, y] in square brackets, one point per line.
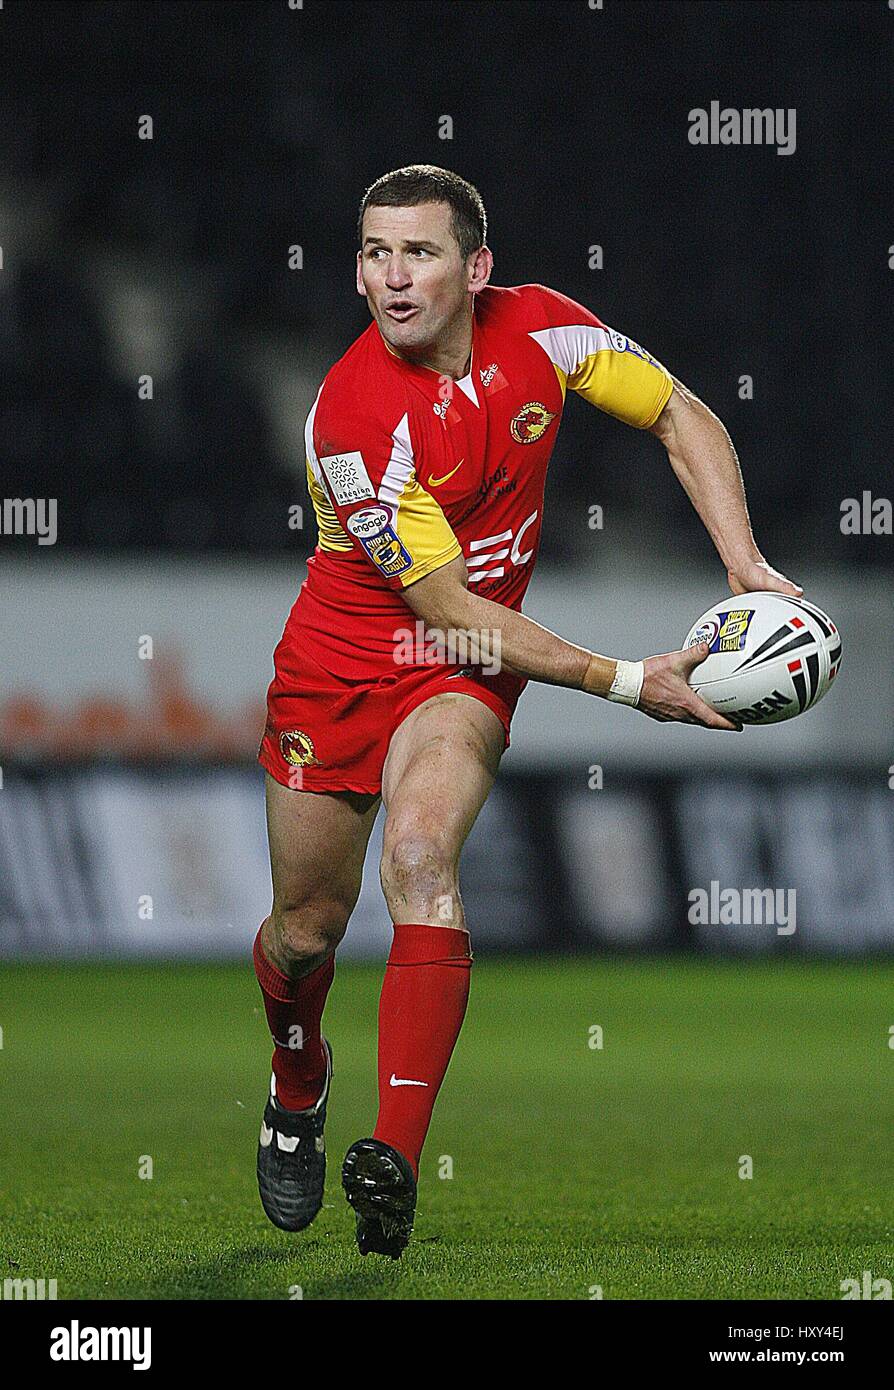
[398, 276]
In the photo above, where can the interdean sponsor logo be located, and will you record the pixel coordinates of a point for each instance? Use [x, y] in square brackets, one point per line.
[500, 475]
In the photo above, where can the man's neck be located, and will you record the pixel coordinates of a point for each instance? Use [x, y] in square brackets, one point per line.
[451, 359]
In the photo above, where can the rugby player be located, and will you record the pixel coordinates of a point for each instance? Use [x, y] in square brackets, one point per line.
[427, 449]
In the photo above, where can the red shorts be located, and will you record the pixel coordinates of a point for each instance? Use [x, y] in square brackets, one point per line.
[324, 733]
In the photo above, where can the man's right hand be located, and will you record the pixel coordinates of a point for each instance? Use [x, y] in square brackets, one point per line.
[666, 694]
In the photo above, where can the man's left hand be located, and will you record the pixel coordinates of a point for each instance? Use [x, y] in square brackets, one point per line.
[754, 576]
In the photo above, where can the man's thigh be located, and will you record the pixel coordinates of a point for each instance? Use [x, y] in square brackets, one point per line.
[441, 764]
[317, 842]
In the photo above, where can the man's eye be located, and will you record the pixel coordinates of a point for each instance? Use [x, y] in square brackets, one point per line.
[378, 251]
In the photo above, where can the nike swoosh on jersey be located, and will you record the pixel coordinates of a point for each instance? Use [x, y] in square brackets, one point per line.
[400, 1081]
[436, 482]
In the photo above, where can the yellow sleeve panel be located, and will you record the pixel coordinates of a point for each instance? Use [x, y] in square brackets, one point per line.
[631, 387]
[369, 502]
[423, 533]
[607, 368]
[331, 533]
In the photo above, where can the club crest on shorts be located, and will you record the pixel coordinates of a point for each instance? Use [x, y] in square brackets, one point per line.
[531, 422]
[297, 748]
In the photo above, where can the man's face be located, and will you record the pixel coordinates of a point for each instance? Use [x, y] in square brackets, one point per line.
[410, 271]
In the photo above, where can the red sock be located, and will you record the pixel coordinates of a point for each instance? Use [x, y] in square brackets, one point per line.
[421, 1011]
[299, 1058]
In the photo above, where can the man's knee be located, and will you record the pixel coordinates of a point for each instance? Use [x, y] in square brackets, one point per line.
[303, 933]
[416, 866]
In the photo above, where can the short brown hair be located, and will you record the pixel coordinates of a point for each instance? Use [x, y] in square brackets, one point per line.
[427, 183]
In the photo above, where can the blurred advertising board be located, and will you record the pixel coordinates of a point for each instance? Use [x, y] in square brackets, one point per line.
[158, 863]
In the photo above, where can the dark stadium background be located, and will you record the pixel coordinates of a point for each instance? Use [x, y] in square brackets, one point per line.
[269, 122]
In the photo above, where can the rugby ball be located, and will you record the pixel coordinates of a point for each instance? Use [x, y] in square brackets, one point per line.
[771, 657]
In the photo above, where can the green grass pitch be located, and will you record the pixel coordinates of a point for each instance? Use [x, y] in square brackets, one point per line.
[572, 1166]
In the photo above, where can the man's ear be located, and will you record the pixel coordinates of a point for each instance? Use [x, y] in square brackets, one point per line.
[361, 289]
[480, 267]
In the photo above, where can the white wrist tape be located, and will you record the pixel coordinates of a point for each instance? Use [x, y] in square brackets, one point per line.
[628, 683]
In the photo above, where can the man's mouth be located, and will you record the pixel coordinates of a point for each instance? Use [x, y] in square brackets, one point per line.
[400, 310]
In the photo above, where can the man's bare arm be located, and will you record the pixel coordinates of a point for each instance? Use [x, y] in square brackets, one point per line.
[702, 456]
[443, 601]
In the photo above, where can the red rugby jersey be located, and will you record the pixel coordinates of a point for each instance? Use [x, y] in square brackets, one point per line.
[407, 469]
